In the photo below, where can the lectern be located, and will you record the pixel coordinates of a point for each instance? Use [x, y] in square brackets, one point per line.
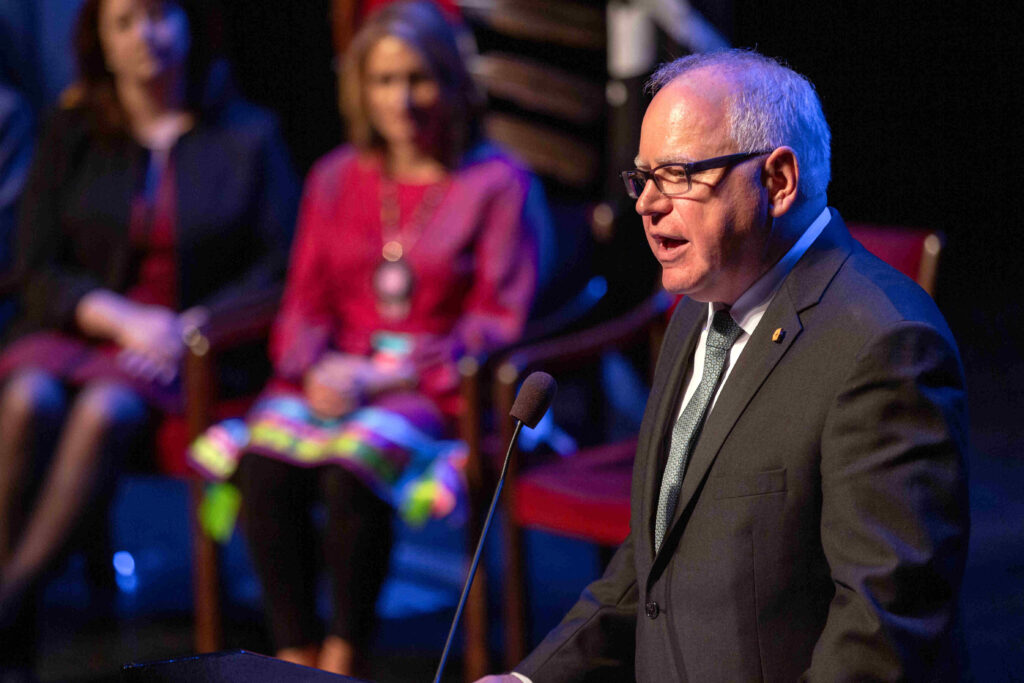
[226, 667]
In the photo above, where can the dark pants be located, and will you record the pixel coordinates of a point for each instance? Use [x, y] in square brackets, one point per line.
[276, 515]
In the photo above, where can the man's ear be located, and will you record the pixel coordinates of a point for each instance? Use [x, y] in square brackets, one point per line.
[781, 176]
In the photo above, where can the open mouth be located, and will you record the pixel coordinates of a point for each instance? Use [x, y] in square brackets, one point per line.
[669, 243]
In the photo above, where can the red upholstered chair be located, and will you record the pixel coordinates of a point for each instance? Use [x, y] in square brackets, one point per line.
[586, 495]
[251, 323]
[203, 406]
[913, 251]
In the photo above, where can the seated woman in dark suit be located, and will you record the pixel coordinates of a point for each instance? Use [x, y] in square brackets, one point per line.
[154, 201]
[412, 248]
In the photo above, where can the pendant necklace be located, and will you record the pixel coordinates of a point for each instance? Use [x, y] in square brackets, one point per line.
[393, 279]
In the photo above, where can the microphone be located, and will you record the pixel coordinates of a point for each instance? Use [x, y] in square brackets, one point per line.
[532, 401]
[534, 398]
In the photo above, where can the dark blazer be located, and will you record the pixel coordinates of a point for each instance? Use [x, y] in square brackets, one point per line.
[821, 530]
[237, 198]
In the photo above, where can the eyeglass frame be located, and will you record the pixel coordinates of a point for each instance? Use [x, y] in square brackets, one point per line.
[689, 168]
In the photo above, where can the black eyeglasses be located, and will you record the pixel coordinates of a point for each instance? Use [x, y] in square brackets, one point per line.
[675, 180]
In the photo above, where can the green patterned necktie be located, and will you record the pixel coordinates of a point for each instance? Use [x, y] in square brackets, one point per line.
[723, 332]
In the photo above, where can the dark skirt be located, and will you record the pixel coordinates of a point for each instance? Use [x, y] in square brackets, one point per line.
[77, 362]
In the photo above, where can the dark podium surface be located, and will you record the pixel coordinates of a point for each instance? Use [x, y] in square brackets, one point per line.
[226, 667]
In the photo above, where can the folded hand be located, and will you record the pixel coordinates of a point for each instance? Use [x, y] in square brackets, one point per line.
[339, 383]
[150, 341]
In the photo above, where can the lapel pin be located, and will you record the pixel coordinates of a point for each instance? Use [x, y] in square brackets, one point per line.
[778, 335]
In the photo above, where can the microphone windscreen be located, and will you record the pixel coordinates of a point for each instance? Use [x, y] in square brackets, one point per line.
[534, 398]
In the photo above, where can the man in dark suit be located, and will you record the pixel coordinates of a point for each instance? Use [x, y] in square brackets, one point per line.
[799, 505]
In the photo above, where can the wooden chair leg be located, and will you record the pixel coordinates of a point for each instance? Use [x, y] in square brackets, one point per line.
[205, 579]
[476, 659]
[200, 394]
[515, 582]
[515, 597]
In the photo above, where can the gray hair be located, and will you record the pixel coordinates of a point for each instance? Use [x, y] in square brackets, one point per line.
[773, 106]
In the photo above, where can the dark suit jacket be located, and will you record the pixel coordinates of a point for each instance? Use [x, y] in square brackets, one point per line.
[821, 530]
[236, 204]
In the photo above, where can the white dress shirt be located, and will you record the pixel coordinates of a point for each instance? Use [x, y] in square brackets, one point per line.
[748, 311]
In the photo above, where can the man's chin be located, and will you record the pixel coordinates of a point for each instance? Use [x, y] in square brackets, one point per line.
[680, 286]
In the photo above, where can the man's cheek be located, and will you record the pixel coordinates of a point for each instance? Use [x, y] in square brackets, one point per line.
[650, 240]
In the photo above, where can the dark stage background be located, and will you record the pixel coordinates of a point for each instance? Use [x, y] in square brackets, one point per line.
[920, 98]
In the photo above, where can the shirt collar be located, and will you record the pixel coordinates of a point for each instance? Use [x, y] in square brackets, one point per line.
[752, 304]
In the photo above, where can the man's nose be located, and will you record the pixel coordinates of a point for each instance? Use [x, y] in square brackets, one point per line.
[651, 201]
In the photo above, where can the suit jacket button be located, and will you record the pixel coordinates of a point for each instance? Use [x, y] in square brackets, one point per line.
[652, 609]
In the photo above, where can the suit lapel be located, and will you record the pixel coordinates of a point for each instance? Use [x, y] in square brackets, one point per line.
[802, 288]
[757, 361]
[665, 396]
